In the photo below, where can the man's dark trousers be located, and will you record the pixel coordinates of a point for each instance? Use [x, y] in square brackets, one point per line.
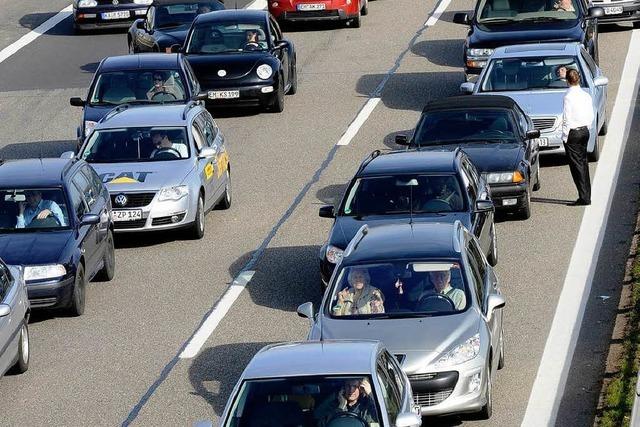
[576, 149]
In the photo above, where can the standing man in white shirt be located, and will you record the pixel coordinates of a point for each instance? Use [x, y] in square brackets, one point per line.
[577, 118]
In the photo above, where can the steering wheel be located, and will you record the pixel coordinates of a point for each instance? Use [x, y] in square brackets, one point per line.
[437, 205]
[167, 95]
[498, 131]
[48, 222]
[436, 303]
[166, 151]
[346, 419]
[252, 46]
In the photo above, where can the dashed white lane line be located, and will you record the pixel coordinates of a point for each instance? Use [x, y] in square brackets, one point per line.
[550, 381]
[35, 33]
[435, 16]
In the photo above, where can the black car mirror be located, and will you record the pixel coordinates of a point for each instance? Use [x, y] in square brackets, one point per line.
[76, 102]
[532, 134]
[461, 18]
[202, 96]
[140, 24]
[484, 206]
[402, 139]
[596, 12]
[282, 44]
[176, 48]
[327, 212]
[90, 219]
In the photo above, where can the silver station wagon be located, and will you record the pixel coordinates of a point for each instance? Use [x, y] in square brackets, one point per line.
[14, 317]
[427, 291]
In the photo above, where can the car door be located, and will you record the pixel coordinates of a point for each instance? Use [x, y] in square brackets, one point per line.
[9, 325]
[281, 54]
[480, 226]
[206, 167]
[598, 92]
[101, 206]
[87, 234]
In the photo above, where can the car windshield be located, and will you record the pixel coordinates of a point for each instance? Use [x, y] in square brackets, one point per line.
[455, 126]
[315, 401]
[182, 14]
[32, 209]
[505, 11]
[404, 194]
[398, 289]
[517, 74]
[138, 144]
[138, 87]
[227, 37]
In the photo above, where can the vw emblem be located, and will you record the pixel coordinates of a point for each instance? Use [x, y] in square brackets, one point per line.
[121, 199]
[222, 73]
[115, 1]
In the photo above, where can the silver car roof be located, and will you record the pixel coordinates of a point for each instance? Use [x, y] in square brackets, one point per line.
[538, 49]
[330, 357]
[148, 115]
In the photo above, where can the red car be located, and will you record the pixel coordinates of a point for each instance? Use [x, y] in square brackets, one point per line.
[316, 10]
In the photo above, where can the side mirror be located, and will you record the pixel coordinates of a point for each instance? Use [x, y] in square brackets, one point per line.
[408, 419]
[5, 310]
[596, 12]
[207, 153]
[402, 140]
[90, 219]
[493, 303]
[532, 134]
[327, 212]
[305, 310]
[67, 155]
[601, 81]
[461, 18]
[466, 88]
[202, 96]
[140, 24]
[484, 206]
[76, 102]
[176, 48]
[282, 44]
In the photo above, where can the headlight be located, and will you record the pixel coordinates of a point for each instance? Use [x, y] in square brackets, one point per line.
[173, 193]
[145, 2]
[460, 354]
[333, 254]
[87, 3]
[264, 71]
[479, 52]
[505, 177]
[88, 127]
[42, 272]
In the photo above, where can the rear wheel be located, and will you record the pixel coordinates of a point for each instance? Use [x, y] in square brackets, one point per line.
[109, 260]
[594, 155]
[493, 249]
[22, 364]
[604, 128]
[365, 8]
[197, 228]
[356, 22]
[78, 297]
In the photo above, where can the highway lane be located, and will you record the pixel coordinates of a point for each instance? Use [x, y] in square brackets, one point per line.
[101, 365]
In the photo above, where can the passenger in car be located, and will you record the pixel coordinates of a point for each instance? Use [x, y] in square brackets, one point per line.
[37, 208]
[354, 397]
[359, 297]
[442, 284]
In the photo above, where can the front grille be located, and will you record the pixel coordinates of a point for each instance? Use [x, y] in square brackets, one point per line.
[165, 220]
[544, 123]
[124, 225]
[312, 14]
[419, 377]
[110, 2]
[431, 398]
[134, 200]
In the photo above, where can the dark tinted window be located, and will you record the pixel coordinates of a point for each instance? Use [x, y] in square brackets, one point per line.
[86, 188]
[77, 201]
[389, 389]
[181, 15]
[5, 281]
[478, 270]
[526, 10]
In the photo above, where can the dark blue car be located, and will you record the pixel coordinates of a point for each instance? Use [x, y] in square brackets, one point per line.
[410, 187]
[55, 220]
[135, 80]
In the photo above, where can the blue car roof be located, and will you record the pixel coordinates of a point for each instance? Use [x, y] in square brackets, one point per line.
[411, 161]
[46, 172]
[537, 50]
[145, 61]
[231, 15]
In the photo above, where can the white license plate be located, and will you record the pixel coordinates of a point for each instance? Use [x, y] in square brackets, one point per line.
[224, 94]
[613, 10]
[311, 6]
[542, 142]
[122, 14]
[130, 215]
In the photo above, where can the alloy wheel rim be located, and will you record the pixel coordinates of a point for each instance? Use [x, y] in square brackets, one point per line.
[200, 215]
[228, 188]
[25, 344]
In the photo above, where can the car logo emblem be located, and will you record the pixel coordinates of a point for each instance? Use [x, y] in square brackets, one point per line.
[222, 73]
[121, 200]
[115, 1]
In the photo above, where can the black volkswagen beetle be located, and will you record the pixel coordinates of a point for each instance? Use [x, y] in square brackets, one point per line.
[241, 58]
[497, 135]
[167, 23]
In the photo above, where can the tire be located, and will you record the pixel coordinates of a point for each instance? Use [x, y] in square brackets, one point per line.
[492, 257]
[225, 200]
[487, 410]
[365, 8]
[357, 21]
[636, 25]
[109, 260]
[604, 129]
[594, 156]
[132, 48]
[277, 103]
[501, 357]
[525, 211]
[78, 296]
[293, 88]
[536, 186]
[77, 30]
[24, 351]
[197, 228]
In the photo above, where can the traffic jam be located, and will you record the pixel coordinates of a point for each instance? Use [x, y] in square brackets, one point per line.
[411, 319]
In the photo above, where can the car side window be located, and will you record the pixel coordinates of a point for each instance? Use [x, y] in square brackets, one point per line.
[522, 121]
[85, 187]
[478, 270]
[5, 281]
[94, 180]
[77, 201]
[209, 130]
[198, 135]
[276, 34]
[151, 13]
[389, 392]
[591, 65]
[470, 183]
[192, 78]
[394, 372]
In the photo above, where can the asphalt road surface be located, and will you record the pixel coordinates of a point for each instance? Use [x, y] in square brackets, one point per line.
[118, 363]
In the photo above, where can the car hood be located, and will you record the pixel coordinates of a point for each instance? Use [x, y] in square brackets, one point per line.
[236, 65]
[345, 227]
[95, 113]
[539, 103]
[143, 176]
[492, 36]
[422, 340]
[177, 35]
[488, 157]
[37, 247]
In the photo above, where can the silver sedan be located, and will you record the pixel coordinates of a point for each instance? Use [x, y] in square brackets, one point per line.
[14, 317]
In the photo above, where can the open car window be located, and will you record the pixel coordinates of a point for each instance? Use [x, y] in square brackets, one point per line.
[498, 11]
[33, 209]
[138, 86]
[138, 144]
[398, 289]
[227, 37]
[306, 401]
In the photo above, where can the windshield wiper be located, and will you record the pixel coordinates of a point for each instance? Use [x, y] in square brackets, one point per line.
[542, 19]
[496, 21]
[103, 103]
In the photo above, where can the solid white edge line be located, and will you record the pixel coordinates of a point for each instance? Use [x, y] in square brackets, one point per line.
[258, 5]
[35, 33]
[548, 388]
[433, 19]
[357, 123]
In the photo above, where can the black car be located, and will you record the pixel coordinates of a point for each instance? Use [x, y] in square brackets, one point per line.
[496, 134]
[241, 58]
[135, 79]
[498, 23]
[55, 220]
[410, 187]
[166, 24]
[94, 14]
[616, 11]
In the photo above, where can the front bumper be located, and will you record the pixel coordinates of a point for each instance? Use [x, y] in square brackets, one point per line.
[91, 18]
[156, 216]
[250, 95]
[510, 197]
[630, 12]
[51, 294]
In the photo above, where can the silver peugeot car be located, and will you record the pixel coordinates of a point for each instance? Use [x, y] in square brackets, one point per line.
[14, 317]
[534, 75]
[322, 384]
[427, 291]
[164, 166]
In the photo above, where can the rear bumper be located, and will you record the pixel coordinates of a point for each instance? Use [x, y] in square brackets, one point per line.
[509, 197]
[630, 12]
[91, 18]
[250, 95]
[290, 13]
[51, 294]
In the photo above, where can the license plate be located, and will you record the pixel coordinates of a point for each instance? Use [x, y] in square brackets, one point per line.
[613, 10]
[122, 14]
[130, 215]
[542, 142]
[224, 94]
[311, 6]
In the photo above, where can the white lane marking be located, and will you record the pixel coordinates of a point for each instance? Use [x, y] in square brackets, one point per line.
[217, 314]
[357, 123]
[35, 33]
[435, 16]
[550, 381]
[258, 5]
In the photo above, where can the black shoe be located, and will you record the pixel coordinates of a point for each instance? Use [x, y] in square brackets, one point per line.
[580, 202]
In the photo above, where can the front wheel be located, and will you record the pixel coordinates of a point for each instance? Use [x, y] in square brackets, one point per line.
[109, 260]
[225, 201]
[525, 210]
[78, 296]
[277, 104]
[487, 409]
[536, 186]
[636, 25]
[501, 357]
[197, 228]
[293, 88]
[22, 364]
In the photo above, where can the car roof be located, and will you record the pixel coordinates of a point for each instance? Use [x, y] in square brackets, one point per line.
[398, 241]
[47, 172]
[327, 357]
[410, 161]
[147, 115]
[144, 61]
[537, 49]
[230, 15]
[466, 102]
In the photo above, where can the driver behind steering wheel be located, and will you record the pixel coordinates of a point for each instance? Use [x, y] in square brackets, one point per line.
[163, 144]
[37, 208]
[162, 85]
[354, 397]
[442, 284]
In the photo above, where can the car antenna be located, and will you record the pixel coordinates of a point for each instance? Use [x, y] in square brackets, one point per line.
[411, 205]
[236, 4]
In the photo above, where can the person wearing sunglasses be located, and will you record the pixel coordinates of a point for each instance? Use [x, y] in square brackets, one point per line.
[163, 89]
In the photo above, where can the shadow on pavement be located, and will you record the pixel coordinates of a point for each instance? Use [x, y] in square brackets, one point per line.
[390, 139]
[331, 194]
[447, 53]
[65, 28]
[27, 150]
